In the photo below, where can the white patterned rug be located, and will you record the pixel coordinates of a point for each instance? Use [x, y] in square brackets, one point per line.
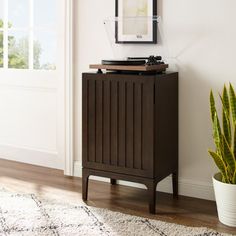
[28, 215]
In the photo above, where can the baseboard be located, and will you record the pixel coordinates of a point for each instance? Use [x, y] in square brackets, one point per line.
[187, 187]
[30, 156]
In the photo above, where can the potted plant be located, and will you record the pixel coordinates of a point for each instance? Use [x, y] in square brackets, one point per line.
[224, 135]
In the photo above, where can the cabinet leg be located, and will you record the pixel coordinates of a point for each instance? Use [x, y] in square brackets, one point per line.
[152, 197]
[113, 181]
[85, 180]
[175, 184]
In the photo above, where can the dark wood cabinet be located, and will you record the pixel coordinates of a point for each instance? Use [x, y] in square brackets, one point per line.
[130, 129]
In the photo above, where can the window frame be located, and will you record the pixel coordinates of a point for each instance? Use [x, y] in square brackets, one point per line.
[30, 31]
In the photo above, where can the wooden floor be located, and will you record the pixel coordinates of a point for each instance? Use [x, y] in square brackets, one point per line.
[50, 183]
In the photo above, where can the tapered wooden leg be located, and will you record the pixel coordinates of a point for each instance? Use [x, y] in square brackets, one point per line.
[152, 197]
[175, 184]
[113, 181]
[85, 179]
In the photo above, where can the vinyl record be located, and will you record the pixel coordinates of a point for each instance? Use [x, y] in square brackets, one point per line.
[124, 62]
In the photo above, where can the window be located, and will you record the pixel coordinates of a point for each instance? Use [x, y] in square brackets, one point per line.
[28, 37]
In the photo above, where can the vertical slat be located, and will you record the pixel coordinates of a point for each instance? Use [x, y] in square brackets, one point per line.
[122, 124]
[91, 120]
[85, 120]
[137, 126]
[106, 122]
[147, 126]
[99, 122]
[130, 126]
[114, 123]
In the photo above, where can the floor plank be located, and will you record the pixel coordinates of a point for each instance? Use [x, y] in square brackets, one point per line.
[51, 183]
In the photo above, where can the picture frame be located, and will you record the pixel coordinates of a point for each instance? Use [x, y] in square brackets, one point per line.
[135, 21]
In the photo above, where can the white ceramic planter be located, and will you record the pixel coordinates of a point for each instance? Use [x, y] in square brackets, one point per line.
[226, 201]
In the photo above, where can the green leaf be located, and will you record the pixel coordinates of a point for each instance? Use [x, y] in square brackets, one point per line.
[234, 148]
[225, 100]
[232, 102]
[223, 180]
[220, 164]
[234, 178]
[212, 105]
[226, 126]
[228, 156]
[226, 115]
[217, 132]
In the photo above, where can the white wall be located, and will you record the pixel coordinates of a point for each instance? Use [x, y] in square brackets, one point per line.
[201, 35]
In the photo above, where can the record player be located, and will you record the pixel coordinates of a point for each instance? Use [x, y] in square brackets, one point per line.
[151, 64]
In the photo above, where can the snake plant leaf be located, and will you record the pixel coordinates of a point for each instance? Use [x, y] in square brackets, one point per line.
[230, 174]
[232, 102]
[226, 125]
[224, 180]
[220, 164]
[234, 147]
[234, 178]
[217, 132]
[225, 99]
[228, 156]
[213, 107]
[234, 142]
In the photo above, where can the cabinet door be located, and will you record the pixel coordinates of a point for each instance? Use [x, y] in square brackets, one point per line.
[118, 123]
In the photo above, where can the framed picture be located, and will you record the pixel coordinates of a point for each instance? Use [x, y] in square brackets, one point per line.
[135, 23]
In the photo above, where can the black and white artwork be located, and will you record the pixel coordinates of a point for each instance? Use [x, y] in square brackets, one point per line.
[135, 22]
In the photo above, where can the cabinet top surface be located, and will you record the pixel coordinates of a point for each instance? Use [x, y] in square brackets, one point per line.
[131, 74]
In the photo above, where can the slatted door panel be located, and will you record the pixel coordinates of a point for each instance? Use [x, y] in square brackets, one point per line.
[118, 125]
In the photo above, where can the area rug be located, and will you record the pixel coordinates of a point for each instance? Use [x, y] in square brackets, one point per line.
[28, 215]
